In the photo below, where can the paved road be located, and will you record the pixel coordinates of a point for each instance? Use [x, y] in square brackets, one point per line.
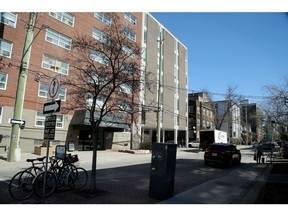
[124, 177]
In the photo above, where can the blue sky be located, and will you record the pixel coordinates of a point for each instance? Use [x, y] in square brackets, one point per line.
[247, 50]
[243, 49]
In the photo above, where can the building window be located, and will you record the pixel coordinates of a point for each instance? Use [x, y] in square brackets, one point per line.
[40, 120]
[5, 48]
[97, 78]
[128, 51]
[58, 39]
[130, 34]
[43, 92]
[59, 121]
[191, 109]
[128, 68]
[103, 17]
[3, 80]
[1, 114]
[99, 57]
[144, 54]
[126, 88]
[99, 35]
[99, 102]
[131, 18]
[145, 36]
[125, 106]
[55, 65]
[9, 19]
[66, 18]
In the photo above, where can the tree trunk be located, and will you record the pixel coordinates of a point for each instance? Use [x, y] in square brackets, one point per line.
[94, 158]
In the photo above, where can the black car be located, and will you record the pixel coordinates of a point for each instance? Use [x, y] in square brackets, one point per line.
[284, 150]
[222, 153]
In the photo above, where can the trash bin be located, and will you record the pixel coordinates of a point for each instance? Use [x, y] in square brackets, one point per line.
[162, 173]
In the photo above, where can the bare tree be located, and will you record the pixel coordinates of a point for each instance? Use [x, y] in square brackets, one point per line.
[106, 79]
[276, 107]
[231, 100]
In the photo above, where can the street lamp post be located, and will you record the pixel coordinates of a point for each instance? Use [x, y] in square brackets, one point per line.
[14, 152]
[159, 89]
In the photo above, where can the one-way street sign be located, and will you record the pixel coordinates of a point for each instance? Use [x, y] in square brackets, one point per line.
[52, 107]
[16, 121]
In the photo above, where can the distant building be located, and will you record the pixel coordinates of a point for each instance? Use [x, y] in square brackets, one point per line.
[228, 119]
[201, 114]
[251, 118]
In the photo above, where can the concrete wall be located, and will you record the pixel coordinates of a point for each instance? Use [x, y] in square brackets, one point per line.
[121, 141]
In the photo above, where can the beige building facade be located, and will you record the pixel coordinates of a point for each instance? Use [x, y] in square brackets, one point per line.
[170, 60]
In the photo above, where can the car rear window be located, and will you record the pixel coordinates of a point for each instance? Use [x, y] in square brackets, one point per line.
[216, 147]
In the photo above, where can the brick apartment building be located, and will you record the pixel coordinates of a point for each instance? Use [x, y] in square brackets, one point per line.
[48, 50]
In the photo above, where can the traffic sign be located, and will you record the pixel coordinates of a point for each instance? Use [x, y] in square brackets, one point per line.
[16, 121]
[52, 107]
[49, 130]
[53, 88]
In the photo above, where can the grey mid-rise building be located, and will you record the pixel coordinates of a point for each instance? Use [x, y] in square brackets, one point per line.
[167, 58]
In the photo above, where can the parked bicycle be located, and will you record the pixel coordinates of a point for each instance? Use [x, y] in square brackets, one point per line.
[21, 184]
[60, 174]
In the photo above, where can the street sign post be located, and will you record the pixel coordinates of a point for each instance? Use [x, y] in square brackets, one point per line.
[52, 107]
[49, 130]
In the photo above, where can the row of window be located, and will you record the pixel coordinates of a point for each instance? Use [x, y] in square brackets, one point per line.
[65, 42]
[105, 18]
[40, 119]
[10, 19]
[205, 112]
[123, 105]
[59, 39]
[42, 91]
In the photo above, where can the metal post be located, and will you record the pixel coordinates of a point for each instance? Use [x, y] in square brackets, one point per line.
[14, 150]
[159, 90]
[45, 172]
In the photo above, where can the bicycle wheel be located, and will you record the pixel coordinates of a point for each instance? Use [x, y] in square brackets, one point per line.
[38, 184]
[20, 186]
[77, 178]
[62, 176]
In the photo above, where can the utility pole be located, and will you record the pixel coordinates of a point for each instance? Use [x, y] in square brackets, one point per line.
[14, 152]
[159, 90]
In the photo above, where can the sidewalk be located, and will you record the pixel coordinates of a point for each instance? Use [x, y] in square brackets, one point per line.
[225, 190]
[230, 189]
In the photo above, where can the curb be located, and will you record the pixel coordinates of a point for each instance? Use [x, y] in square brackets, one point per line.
[136, 151]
